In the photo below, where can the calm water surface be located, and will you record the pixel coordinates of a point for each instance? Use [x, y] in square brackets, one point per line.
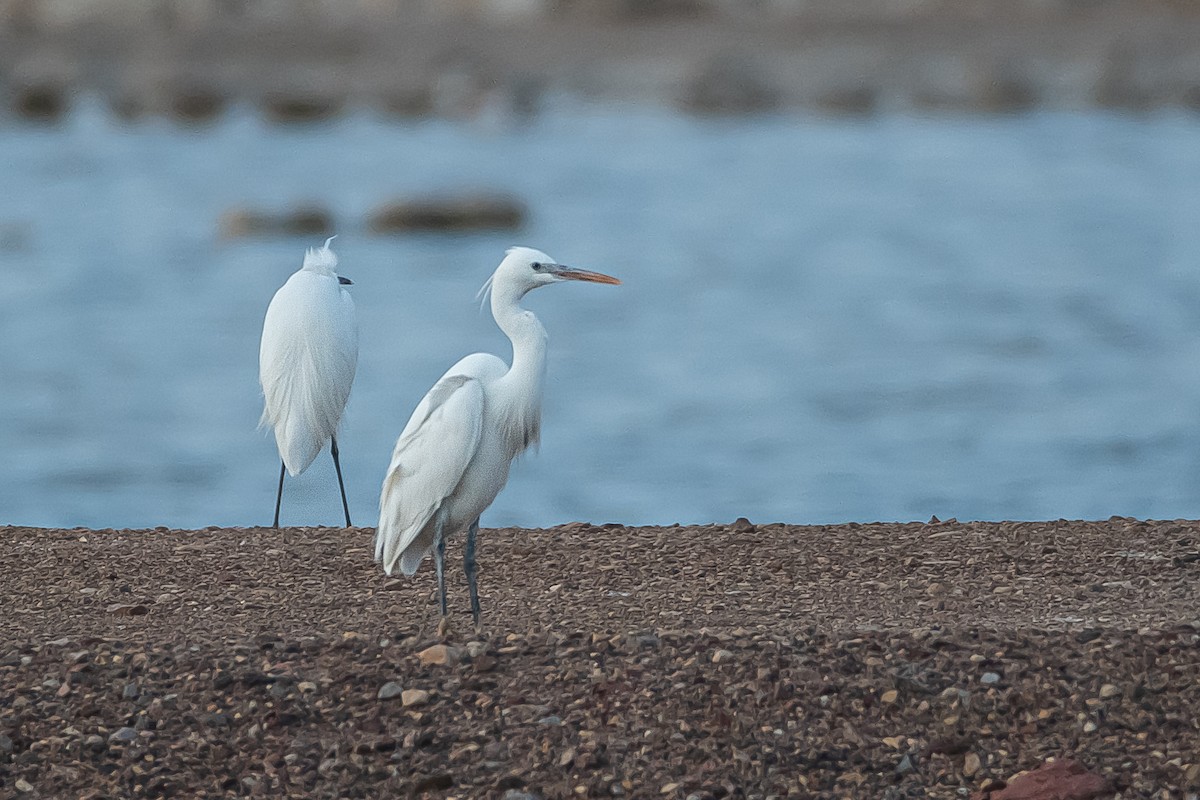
[821, 320]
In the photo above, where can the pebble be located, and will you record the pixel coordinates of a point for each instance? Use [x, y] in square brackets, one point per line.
[23, 786]
[122, 736]
[989, 679]
[516, 794]
[439, 654]
[413, 697]
[971, 764]
[390, 691]
[1109, 690]
[476, 649]
[905, 766]
[721, 656]
[127, 609]
[890, 696]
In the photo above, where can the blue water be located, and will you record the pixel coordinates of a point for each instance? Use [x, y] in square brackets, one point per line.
[822, 320]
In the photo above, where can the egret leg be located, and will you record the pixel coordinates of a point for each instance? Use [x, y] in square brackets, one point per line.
[279, 494]
[469, 566]
[440, 562]
[337, 465]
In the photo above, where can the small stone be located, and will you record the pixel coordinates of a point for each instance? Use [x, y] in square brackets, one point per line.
[439, 654]
[414, 697]
[1109, 690]
[23, 786]
[95, 743]
[476, 649]
[306, 687]
[485, 663]
[989, 679]
[890, 696]
[971, 765]
[6, 744]
[721, 656]
[390, 691]
[668, 788]
[127, 609]
[1063, 779]
[905, 766]
[434, 782]
[1089, 727]
[517, 794]
[552, 719]
[122, 736]
[743, 525]
[130, 692]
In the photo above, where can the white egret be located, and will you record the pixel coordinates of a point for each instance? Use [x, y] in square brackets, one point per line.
[454, 454]
[306, 364]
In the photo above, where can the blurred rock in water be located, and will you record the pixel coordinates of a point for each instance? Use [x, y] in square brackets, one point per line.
[731, 85]
[481, 211]
[304, 221]
[280, 107]
[44, 102]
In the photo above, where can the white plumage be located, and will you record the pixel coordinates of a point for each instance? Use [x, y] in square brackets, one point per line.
[453, 456]
[306, 361]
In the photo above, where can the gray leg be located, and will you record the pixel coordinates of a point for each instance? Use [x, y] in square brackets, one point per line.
[469, 565]
[440, 562]
[279, 494]
[337, 464]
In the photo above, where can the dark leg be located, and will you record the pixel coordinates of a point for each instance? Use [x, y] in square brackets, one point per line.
[338, 466]
[440, 562]
[469, 565]
[279, 494]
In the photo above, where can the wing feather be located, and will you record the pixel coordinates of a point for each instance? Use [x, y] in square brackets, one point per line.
[429, 461]
[307, 360]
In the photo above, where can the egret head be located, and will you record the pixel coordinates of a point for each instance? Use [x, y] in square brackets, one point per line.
[524, 269]
[323, 261]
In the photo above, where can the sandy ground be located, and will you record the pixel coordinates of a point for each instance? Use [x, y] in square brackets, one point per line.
[310, 59]
[884, 660]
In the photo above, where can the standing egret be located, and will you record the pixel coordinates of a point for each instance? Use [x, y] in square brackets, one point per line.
[453, 457]
[306, 365]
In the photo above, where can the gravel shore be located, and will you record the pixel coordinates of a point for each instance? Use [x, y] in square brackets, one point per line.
[881, 660]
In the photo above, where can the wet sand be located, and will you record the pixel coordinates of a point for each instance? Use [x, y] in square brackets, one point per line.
[882, 660]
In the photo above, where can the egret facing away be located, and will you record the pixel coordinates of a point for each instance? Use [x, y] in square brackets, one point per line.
[306, 365]
[453, 457]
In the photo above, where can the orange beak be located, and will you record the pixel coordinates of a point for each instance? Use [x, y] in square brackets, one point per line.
[572, 274]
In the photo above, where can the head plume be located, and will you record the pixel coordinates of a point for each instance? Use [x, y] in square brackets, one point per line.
[321, 259]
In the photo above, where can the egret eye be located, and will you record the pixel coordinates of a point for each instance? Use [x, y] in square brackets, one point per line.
[537, 267]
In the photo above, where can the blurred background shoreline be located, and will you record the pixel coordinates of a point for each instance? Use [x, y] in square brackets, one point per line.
[849, 294]
[314, 59]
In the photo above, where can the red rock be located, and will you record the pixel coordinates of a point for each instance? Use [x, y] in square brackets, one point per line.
[1054, 780]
